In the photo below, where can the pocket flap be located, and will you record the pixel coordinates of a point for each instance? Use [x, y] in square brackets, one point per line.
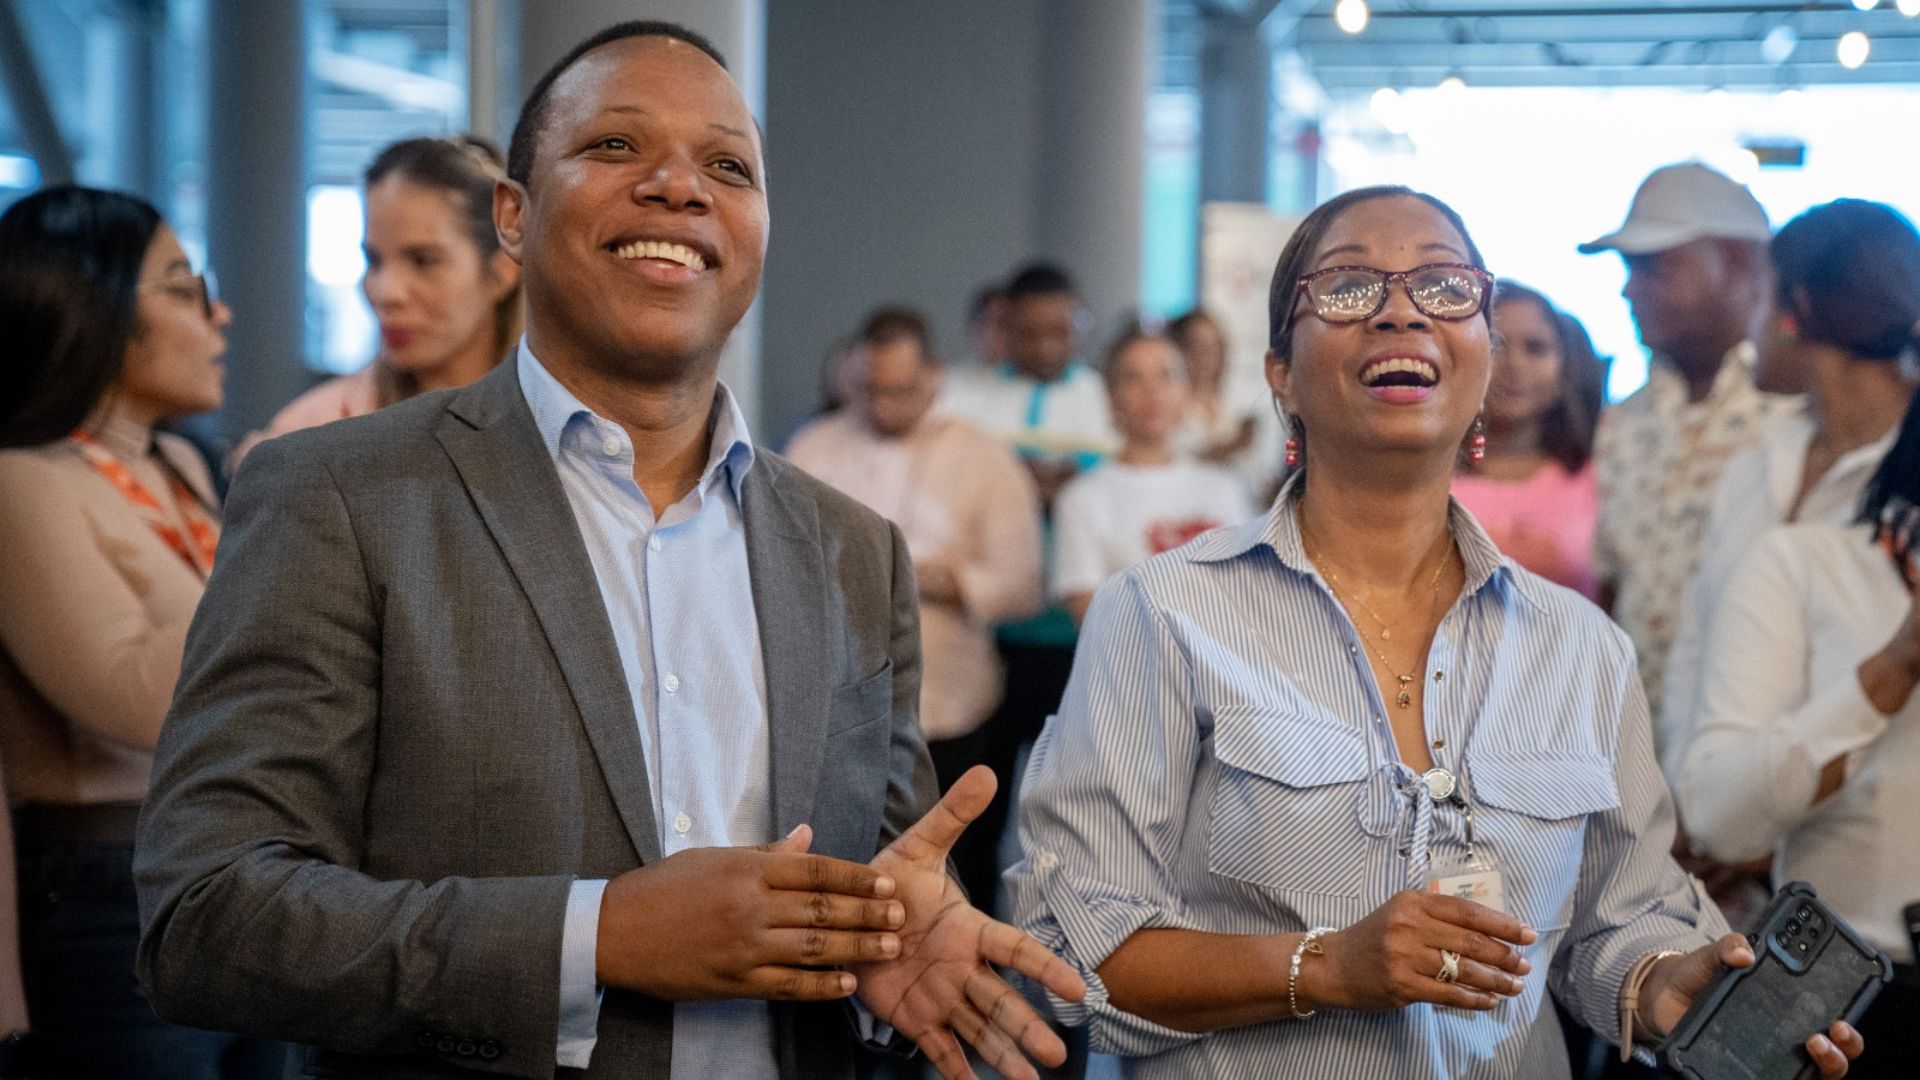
[858, 703]
[1547, 786]
[1282, 747]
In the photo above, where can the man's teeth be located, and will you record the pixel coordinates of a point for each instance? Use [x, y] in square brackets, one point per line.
[655, 249]
[1418, 368]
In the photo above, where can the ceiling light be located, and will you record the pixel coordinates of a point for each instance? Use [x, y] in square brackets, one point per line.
[1853, 49]
[1780, 43]
[1389, 110]
[1909, 8]
[1351, 15]
[1866, 5]
[1452, 84]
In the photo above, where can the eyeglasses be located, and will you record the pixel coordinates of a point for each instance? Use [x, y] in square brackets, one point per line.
[189, 287]
[1344, 294]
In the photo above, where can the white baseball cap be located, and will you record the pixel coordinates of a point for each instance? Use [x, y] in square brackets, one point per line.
[1679, 203]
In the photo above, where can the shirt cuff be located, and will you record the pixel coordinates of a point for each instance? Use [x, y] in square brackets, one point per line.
[579, 994]
[875, 1032]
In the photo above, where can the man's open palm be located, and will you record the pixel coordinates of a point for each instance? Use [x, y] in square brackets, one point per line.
[942, 988]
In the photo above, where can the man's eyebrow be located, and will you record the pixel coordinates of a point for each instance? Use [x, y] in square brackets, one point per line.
[641, 110]
[733, 131]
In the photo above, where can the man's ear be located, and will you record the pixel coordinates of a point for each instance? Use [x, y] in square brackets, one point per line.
[509, 216]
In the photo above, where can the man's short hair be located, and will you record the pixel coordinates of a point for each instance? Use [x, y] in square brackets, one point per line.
[890, 324]
[533, 114]
[1040, 279]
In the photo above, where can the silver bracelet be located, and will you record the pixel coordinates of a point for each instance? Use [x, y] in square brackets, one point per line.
[1309, 943]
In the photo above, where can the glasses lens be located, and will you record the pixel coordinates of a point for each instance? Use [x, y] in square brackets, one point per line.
[1446, 292]
[1346, 295]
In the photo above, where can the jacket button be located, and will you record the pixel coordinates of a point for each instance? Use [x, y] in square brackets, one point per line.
[446, 1044]
[424, 1040]
[466, 1049]
[489, 1050]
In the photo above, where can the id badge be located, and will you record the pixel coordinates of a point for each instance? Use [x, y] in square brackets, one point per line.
[1476, 878]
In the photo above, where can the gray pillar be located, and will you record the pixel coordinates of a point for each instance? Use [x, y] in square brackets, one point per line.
[548, 28]
[1236, 92]
[1093, 147]
[256, 174]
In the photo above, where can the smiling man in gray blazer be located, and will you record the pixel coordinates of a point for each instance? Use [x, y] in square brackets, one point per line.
[549, 724]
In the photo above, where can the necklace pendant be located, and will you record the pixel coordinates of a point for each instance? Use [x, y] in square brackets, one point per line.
[1406, 699]
[1386, 635]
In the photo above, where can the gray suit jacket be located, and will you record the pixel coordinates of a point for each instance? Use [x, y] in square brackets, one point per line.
[402, 730]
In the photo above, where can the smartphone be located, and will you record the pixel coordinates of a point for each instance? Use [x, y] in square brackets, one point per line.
[1810, 969]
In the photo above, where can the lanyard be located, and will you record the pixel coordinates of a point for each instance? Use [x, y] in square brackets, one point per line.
[196, 544]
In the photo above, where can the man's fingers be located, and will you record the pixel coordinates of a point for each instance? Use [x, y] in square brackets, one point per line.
[1847, 1039]
[814, 947]
[1826, 1057]
[1733, 951]
[933, 835]
[799, 840]
[1007, 1010]
[992, 1043]
[1495, 924]
[818, 873]
[779, 983]
[831, 911]
[944, 1052]
[1006, 947]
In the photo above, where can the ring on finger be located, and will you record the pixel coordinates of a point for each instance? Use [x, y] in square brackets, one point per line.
[1449, 966]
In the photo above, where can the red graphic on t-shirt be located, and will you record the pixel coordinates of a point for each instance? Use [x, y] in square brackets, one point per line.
[1169, 533]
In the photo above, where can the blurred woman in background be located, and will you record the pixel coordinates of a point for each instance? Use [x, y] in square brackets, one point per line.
[1532, 488]
[109, 528]
[446, 297]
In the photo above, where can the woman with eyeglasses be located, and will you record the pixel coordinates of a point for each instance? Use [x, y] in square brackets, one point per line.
[1344, 792]
[109, 528]
[447, 298]
[1808, 745]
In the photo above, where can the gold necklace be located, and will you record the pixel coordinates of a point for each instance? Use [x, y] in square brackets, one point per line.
[1405, 698]
[1386, 628]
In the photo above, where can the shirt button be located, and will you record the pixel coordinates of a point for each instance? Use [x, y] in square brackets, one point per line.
[681, 823]
[1439, 676]
[672, 683]
[653, 543]
[610, 446]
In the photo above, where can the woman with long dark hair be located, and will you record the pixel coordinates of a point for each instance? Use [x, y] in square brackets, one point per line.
[1344, 792]
[109, 528]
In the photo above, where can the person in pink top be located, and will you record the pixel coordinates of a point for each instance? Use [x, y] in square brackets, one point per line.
[446, 297]
[1534, 488]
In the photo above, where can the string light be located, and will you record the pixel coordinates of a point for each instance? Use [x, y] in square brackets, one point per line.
[1866, 5]
[1909, 8]
[1853, 49]
[1351, 15]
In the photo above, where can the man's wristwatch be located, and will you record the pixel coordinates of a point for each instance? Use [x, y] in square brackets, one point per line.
[20, 1054]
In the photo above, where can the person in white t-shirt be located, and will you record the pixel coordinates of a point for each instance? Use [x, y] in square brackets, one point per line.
[1146, 499]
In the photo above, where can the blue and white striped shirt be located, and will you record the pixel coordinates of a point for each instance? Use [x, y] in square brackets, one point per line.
[1222, 762]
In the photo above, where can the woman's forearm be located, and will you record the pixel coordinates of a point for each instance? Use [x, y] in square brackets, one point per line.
[1198, 982]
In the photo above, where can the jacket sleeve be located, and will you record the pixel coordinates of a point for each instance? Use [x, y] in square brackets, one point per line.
[255, 915]
[911, 786]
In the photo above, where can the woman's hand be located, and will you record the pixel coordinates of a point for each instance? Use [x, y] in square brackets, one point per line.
[1391, 958]
[1674, 982]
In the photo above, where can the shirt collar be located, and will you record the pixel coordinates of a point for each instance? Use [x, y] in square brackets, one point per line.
[1279, 531]
[1734, 377]
[555, 410]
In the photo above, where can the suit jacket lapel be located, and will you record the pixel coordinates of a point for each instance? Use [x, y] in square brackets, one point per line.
[501, 458]
[790, 604]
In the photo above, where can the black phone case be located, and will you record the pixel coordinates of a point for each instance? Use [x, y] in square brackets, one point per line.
[1810, 969]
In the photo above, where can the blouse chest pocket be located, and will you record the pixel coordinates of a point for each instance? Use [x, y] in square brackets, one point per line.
[1532, 816]
[1284, 806]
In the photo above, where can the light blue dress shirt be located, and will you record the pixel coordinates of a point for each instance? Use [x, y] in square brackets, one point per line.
[1222, 762]
[679, 597]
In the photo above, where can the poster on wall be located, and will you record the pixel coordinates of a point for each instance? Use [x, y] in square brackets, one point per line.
[1239, 243]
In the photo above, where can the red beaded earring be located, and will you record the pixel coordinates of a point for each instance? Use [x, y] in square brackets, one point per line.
[1477, 445]
[1293, 452]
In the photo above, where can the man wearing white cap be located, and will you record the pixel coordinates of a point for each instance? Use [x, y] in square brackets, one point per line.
[1698, 281]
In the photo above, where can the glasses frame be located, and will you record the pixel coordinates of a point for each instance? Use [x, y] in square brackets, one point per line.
[1304, 288]
[204, 281]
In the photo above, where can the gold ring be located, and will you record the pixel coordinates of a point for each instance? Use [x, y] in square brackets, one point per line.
[1449, 966]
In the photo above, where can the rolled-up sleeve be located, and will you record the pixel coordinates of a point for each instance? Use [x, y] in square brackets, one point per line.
[1632, 899]
[1103, 806]
[1765, 732]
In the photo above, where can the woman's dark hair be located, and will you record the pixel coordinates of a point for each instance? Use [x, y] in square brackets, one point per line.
[1892, 502]
[1283, 294]
[1181, 328]
[1132, 332]
[70, 261]
[1566, 428]
[1849, 272]
[465, 168]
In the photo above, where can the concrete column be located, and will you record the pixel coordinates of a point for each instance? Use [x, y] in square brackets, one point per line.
[1088, 212]
[256, 184]
[1236, 93]
[549, 28]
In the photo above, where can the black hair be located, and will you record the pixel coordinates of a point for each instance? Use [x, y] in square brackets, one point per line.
[1566, 428]
[1181, 329]
[1856, 264]
[465, 167]
[1039, 279]
[1892, 501]
[983, 298]
[533, 113]
[1133, 332]
[1282, 295]
[890, 324]
[70, 260]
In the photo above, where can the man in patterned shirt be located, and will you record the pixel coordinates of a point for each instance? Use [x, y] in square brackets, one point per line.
[1698, 279]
